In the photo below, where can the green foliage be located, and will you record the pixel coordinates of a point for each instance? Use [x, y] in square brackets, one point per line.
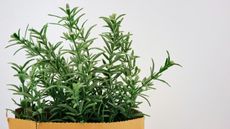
[80, 83]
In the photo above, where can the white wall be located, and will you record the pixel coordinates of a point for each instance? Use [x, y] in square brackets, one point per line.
[196, 32]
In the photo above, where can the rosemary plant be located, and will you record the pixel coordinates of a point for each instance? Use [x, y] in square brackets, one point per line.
[80, 83]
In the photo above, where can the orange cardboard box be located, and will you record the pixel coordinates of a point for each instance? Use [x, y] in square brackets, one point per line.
[28, 124]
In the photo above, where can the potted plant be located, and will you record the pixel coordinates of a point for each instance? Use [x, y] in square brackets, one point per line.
[71, 84]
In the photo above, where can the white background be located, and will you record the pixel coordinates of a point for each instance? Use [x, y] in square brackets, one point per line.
[196, 32]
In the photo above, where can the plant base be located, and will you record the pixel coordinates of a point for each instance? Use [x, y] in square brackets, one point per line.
[28, 124]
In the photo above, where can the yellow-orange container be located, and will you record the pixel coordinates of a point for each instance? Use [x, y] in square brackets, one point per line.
[28, 124]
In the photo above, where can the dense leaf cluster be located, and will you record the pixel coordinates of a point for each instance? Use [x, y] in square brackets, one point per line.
[80, 83]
